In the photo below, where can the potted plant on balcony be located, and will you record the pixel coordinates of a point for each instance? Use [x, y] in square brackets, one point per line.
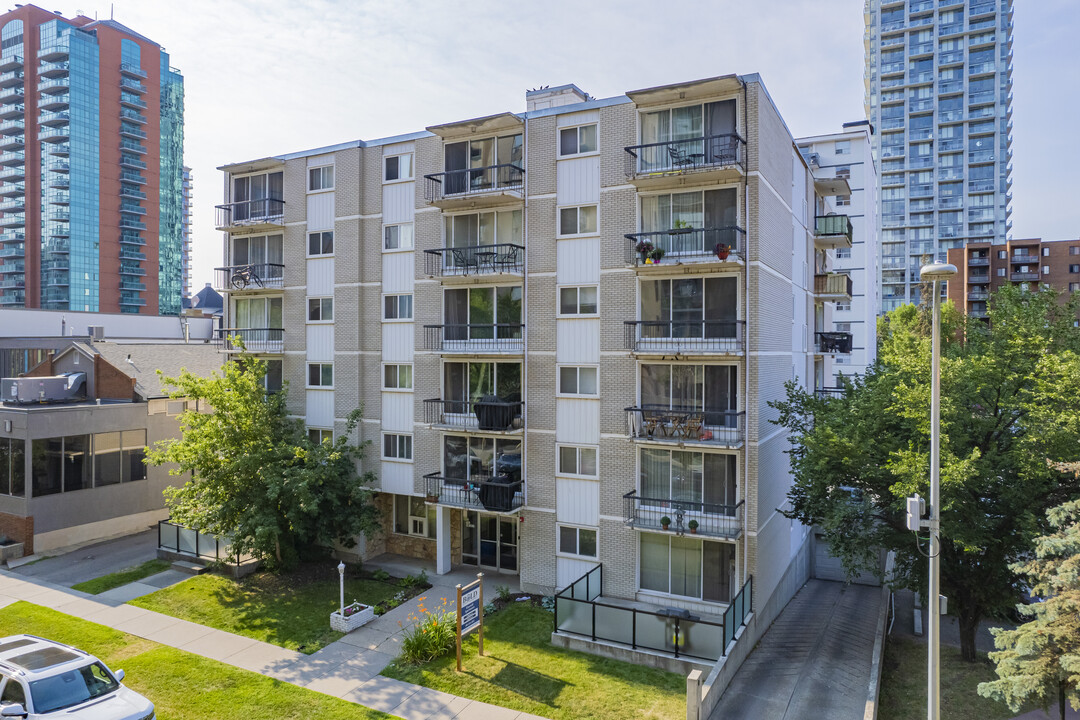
[656, 254]
[665, 522]
[681, 227]
[722, 251]
[643, 248]
[693, 525]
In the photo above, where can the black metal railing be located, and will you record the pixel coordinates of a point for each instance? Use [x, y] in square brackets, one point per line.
[1024, 276]
[470, 339]
[474, 260]
[692, 154]
[251, 212]
[185, 541]
[978, 261]
[687, 245]
[825, 225]
[674, 336]
[681, 424]
[473, 181]
[494, 493]
[693, 517]
[833, 342]
[489, 414]
[249, 277]
[831, 391]
[253, 339]
[832, 284]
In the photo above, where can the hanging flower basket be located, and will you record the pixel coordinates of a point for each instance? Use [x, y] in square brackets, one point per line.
[355, 616]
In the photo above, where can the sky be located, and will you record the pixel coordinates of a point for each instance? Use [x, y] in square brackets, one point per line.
[276, 76]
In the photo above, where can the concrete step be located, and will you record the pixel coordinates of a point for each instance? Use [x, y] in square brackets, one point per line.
[189, 568]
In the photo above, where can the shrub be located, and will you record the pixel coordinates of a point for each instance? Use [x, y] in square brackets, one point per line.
[419, 580]
[548, 603]
[503, 591]
[380, 575]
[432, 635]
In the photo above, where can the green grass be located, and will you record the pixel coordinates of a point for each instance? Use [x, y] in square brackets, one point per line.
[265, 607]
[521, 670]
[116, 579]
[182, 686]
[903, 684]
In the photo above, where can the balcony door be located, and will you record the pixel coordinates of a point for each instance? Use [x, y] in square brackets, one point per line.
[687, 567]
[704, 212]
[691, 307]
[690, 135]
[258, 250]
[701, 482]
[485, 313]
[470, 164]
[711, 390]
[465, 383]
[251, 195]
[477, 459]
[258, 313]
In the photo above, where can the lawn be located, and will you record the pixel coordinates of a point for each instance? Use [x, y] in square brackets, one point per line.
[114, 580]
[903, 684]
[182, 686]
[291, 610]
[521, 670]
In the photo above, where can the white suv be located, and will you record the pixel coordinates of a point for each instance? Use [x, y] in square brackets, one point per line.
[41, 679]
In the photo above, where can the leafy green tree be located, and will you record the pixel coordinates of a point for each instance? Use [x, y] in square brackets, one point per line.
[256, 477]
[1008, 392]
[1040, 659]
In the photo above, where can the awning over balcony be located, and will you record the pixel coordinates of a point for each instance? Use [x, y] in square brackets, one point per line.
[489, 125]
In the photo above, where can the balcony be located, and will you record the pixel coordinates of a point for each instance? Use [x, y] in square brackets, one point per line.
[57, 215]
[695, 337]
[265, 214]
[493, 185]
[13, 251]
[978, 296]
[54, 103]
[129, 161]
[685, 425]
[12, 267]
[12, 95]
[832, 342]
[59, 134]
[264, 276]
[258, 340]
[13, 220]
[133, 177]
[132, 132]
[13, 158]
[132, 146]
[489, 414]
[488, 339]
[131, 301]
[979, 279]
[475, 261]
[833, 286]
[17, 205]
[53, 69]
[10, 112]
[1024, 276]
[55, 52]
[832, 231]
[713, 519]
[490, 493]
[132, 101]
[60, 149]
[52, 119]
[52, 86]
[685, 246]
[13, 236]
[131, 238]
[132, 116]
[714, 157]
[828, 392]
[978, 262]
[132, 85]
[12, 78]
[132, 70]
[8, 63]
[12, 127]
[131, 193]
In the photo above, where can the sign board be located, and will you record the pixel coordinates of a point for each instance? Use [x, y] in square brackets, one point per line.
[470, 615]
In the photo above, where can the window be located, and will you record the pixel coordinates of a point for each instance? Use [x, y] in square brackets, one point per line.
[1074, 249]
[321, 243]
[843, 200]
[683, 566]
[320, 374]
[480, 458]
[842, 147]
[12, 467]
[483, 313]
[272, 381]
[320, 309]
[577, 461]
[397, 307]
[1002, 255]
[711, 390]
[264, 251]
[398, 167]
[577, 220]
[397, 447]
[1074, 286]
[320, 435]
[843, 171]
[477, 165]
[465, 383]
[1074, 268]
[842, 307]
[397, 377]
[258, 313]
[1046, 252]
[413, 517]
[843, 253]
[321, 178]
[1046, 269]
[577, 381]
[691, 307]
[577, 301]
[577, 541]
[257, 196]
[577, 140]
[1001, 272]
[13, 689]
[711, 211]
[398, 237]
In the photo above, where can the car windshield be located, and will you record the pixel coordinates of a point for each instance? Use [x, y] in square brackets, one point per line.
[71, 687]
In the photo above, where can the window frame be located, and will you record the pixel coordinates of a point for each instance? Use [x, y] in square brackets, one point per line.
[402, 440]
[322, 431]
[577, 140]
[321, 300]
[321, 169]
[560, 552]
[397, 318]
[558, 219]
[400, 247]
[410, 518]
[396, 156]
[577, 381]
[559, 312]
[399, 387]
[322, 243]
[559, 447]
[322, 366]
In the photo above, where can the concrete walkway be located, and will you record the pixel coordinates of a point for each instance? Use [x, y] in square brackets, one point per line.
[813, 662]
[348, 669]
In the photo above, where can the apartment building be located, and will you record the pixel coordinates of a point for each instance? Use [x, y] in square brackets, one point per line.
[185, 232]
[91, 150]
[939, 92]
[1027, 264]
[843, 165]
[564, 327]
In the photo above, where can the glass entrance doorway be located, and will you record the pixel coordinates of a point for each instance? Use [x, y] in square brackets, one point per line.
[489, 541]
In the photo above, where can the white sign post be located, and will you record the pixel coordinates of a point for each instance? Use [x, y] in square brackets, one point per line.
[470, 613]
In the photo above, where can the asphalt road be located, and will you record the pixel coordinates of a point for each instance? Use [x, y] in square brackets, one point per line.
[87, 563]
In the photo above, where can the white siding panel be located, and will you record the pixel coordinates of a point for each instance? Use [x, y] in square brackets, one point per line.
[320, 160]
[570, 570]
[399, 269]
[397, 411]
[577, 501]
[397, 149]
[397, 342]
[320, 408]
[398, 201]
[397, 478]
[320, 276]
[578, 261]
[579, 118]
[320, 343]
[577, 421]
[579, 340]
[320, 211]
[578, 181]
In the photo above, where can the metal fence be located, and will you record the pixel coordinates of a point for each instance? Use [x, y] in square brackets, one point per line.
[474, 260]
[185, 541]
[688, 155]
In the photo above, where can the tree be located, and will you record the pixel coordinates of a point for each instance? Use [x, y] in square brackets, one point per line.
[1008, 403]
[1040, 659]
[256, 477]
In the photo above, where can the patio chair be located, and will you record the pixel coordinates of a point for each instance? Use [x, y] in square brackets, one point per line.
[465, 260]
[679, 157]
[509, 260]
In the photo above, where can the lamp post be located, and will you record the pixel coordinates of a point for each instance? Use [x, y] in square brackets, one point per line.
[341, 585]
[936, 273]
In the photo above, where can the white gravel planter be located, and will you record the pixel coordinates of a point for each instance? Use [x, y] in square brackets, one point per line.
[356, 615]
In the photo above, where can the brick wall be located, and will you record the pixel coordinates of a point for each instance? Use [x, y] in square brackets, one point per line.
[19, 529]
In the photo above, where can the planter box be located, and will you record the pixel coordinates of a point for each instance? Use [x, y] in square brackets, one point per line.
[11, 551]
[362, 616]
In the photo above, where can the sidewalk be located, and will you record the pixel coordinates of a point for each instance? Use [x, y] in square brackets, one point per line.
[347, 669]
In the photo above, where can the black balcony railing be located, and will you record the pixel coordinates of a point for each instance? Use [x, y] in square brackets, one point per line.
[826, 225]
[473, 181]
[833, 342]
[1025, 259]
[678, 336]
[712, 519]
[488, 414]
[254, 339]
[249, 277]
[831, 392]
[1024, 276]
[690, 155]
[474, 260]
[490, 338]
[251, 212]
[681, 424]
[687, 245]
[978, 261]
[494, 493]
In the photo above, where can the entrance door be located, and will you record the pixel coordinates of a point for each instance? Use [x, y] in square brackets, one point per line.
[489, 541]
[508, 553]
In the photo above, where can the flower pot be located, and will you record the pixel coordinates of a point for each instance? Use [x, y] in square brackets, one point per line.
[693, 531]
[432, 498]
[722, 251]
[359, 615]
[644, 258]
[665, 526]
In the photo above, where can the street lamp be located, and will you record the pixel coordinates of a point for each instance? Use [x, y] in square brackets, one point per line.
[935, 273]
[341, 585]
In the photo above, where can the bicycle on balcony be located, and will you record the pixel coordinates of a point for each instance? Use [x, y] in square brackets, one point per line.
[244, 276]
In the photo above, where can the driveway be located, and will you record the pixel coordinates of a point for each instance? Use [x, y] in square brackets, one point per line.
[91, 561]
[813, 662]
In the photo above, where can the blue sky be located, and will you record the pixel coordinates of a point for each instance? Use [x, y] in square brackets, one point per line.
[274, 76]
